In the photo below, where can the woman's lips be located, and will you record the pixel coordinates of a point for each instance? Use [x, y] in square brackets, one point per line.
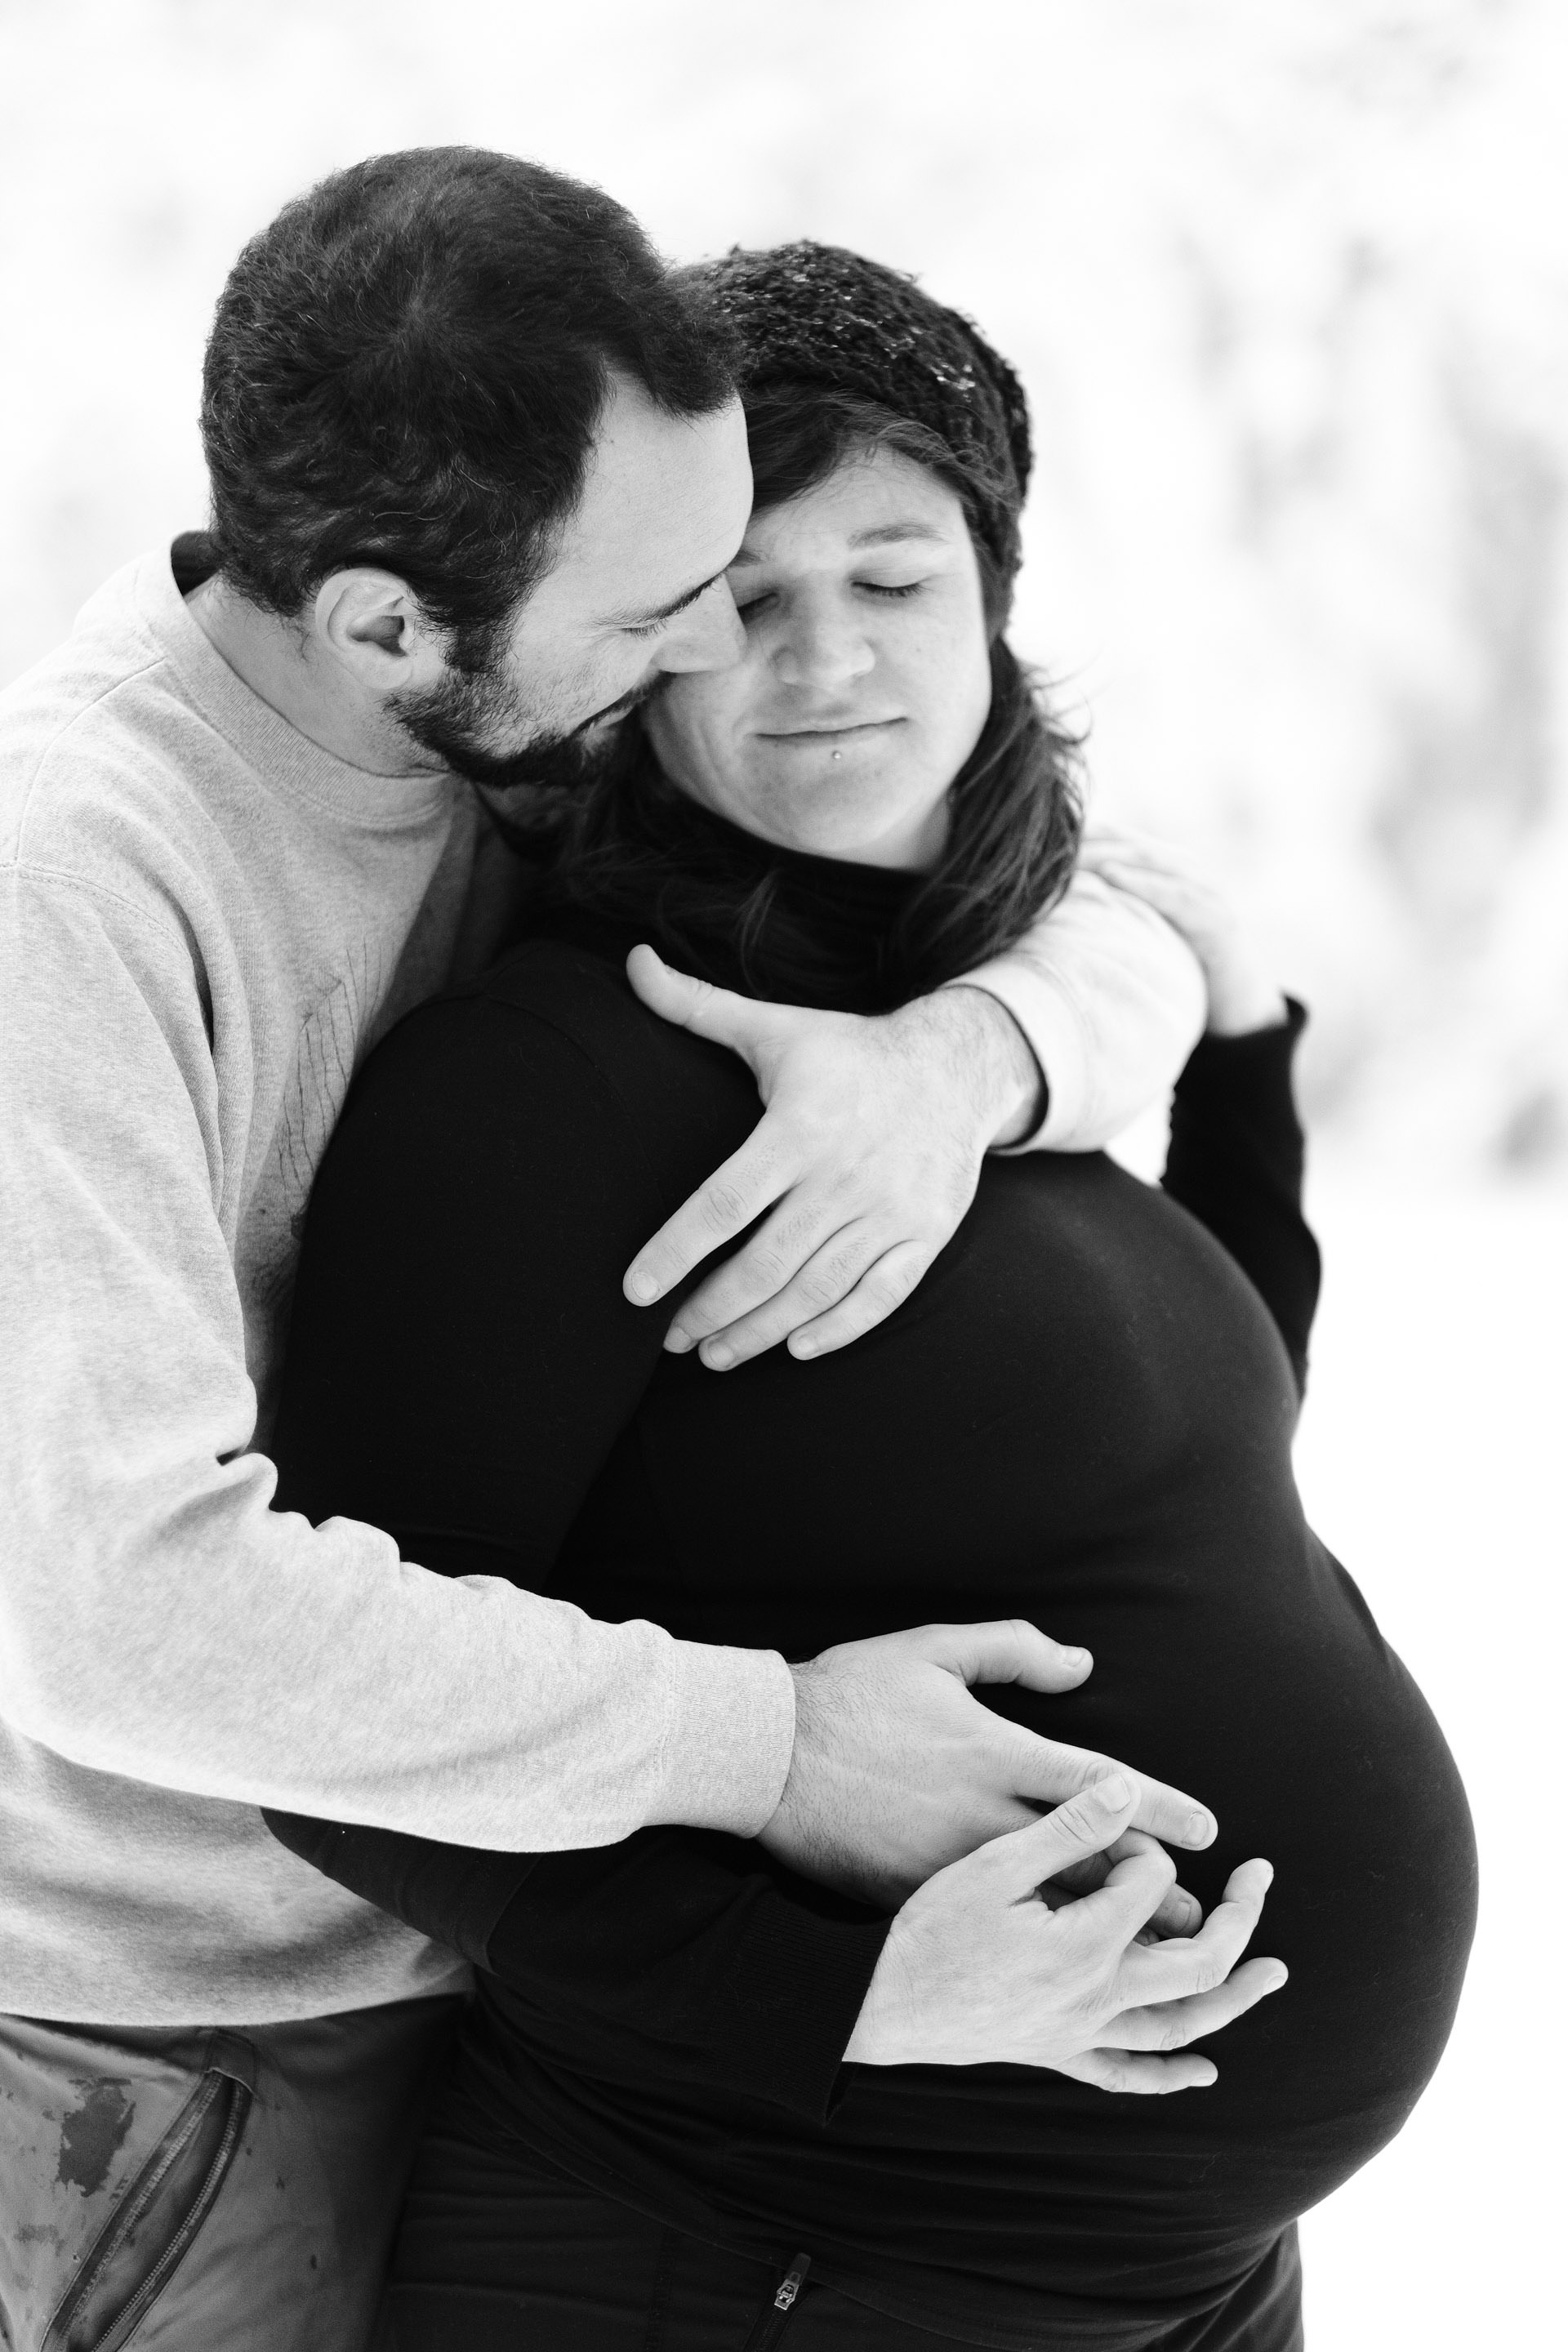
[846, 733]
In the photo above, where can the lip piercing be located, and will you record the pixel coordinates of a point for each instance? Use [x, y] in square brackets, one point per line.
[836, 755]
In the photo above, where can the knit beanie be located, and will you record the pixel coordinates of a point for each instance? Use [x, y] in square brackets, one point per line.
[818, 314]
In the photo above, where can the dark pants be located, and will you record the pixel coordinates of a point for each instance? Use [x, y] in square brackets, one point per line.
[500, 2253]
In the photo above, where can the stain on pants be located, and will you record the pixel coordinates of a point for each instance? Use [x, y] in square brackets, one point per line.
[181, 2189]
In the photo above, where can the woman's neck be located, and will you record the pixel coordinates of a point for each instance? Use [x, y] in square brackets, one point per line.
[744, 912]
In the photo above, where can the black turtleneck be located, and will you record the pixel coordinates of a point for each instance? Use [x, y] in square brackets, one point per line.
[1083, 1416]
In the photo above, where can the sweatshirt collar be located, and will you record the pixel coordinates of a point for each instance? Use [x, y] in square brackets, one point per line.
[282, 758]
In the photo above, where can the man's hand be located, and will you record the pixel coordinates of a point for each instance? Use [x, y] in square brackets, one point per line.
[979, 1970]
[898, 1770]
[1243, 993]
[868, 1156]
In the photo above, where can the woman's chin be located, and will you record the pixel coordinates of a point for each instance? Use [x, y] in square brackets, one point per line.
[900, 844]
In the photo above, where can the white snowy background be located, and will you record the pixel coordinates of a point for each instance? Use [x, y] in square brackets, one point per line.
[1288, 286]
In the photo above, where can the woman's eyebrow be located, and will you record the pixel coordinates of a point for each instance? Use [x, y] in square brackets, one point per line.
[887, 533]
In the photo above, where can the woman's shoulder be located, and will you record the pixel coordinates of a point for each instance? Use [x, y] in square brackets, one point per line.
[577, 988]
[553, 1040]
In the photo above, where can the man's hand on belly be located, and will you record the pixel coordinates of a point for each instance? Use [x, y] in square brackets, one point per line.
[865, 1161]
[978, 1970]
[898, 1771]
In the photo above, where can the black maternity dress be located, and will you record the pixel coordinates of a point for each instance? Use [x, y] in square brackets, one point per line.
[1083, 1416]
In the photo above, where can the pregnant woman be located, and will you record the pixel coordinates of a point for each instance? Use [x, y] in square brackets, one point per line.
[1083, 1416]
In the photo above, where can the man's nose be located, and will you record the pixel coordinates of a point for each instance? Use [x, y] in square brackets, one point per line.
[708, 635]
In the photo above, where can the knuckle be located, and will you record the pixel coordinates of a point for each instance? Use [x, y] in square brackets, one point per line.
[899, 1277]
[725, 1206]
[760, 1268]
[876, 1300]
[823, 1286]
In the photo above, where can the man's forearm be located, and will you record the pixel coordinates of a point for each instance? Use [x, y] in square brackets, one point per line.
[1109, 1000]
[984, 1037]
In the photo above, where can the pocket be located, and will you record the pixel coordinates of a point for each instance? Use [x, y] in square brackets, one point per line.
[155, 2223]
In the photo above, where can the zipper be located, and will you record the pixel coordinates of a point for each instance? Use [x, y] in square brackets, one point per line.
[769, 2324]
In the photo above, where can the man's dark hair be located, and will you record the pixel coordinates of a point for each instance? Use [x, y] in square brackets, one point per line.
[407, 367]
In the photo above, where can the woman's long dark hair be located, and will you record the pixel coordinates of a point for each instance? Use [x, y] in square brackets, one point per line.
[635, 850]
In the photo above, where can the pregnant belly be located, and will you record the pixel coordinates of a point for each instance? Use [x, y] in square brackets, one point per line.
[1278, 1703]
[1265, 1688]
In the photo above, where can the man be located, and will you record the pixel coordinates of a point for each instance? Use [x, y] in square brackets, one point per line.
[478, 471]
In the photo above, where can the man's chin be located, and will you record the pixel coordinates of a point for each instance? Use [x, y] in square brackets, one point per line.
[549, 766]
[571, 763]
[450, 721]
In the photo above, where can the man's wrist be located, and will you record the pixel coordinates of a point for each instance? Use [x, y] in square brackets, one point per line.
[1011, 1083]
[729, 1745]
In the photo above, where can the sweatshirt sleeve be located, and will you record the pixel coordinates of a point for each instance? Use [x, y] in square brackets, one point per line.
[1112, 1002]
[1236, 1160]
[159, 1619]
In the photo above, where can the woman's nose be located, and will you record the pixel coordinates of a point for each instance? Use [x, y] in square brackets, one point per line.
[822, 648]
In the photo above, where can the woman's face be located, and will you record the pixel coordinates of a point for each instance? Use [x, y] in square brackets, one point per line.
[866, 676]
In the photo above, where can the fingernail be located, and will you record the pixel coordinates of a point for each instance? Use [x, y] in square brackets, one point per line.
[717, 1357]
[1076, 1658]
[678, 1342]
[800, 1347]
[1201, 1828]
[1280, 1976]
[1114, 1791]
[643, 1287]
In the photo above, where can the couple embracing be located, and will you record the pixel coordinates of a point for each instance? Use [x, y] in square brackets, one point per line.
[435, 1909]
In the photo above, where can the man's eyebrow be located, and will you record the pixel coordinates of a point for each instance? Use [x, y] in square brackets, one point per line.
[666, 612]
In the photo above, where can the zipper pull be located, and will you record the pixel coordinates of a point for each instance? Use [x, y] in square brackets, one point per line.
[793, 2280]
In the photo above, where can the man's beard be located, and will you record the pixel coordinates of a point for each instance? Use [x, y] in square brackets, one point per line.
[464, 711]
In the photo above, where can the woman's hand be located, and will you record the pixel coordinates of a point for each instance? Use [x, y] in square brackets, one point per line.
[866, 1156]
[978, 1971]
[1242, 991]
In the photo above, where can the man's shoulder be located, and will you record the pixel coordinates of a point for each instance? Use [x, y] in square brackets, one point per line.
[99, 750]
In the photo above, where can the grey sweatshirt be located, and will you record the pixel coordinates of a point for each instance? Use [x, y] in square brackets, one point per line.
[206, 922]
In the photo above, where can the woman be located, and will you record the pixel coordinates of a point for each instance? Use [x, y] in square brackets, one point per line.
[1083, 1416]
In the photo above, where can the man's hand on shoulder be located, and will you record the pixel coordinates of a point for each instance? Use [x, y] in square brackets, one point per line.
[862, 1167]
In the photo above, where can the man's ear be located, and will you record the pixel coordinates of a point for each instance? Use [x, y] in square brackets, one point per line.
[371, 622]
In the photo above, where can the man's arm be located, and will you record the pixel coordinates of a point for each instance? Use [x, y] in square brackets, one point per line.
[158, 1618]
[876, 1127]
[1109, 995]
[1237, 1154]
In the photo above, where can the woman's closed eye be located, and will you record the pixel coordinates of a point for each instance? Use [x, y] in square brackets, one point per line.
[892, 591]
